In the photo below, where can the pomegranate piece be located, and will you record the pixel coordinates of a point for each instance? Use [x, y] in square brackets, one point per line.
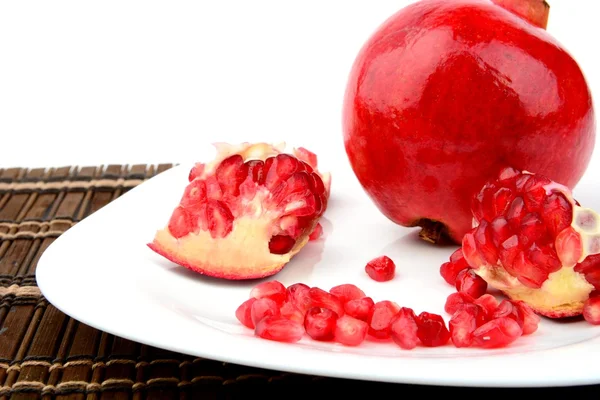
[381, 317]
[452, 268]
[422, 144]
[470, 283]
[290, 311]
[359, 308]
[246, 213]
[499, 332]
[347, 292]
[279, 329]
[263, 308]
[322, 299]
[591, 310]
[403, 328]
[455, 301]
[381, 269]
[316, 233]
[463, 323]
[488, 302]
[320, 323]
[273, 290]
[244, 313]
[547, 251]
[432, 330]
[350, 331]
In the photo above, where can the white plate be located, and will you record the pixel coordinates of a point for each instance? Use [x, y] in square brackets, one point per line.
[101, 273]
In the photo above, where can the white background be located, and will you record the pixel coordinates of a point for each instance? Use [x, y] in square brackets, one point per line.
[85, 83]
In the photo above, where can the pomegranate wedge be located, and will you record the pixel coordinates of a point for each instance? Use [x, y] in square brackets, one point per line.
[245, 214]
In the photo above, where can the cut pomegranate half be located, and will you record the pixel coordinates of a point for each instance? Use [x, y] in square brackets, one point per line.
[535, 243]
[245, 214]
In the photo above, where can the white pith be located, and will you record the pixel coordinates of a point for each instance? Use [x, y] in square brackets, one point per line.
[565, 290]
[245, 250]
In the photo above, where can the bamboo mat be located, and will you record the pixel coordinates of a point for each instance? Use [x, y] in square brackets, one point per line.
[44, 354]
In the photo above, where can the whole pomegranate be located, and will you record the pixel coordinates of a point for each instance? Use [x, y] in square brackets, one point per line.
[448, 92]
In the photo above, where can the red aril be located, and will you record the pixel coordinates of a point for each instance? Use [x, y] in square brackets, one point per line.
[499, 332]
[530, 318]
[322, 299]
[381, 317]
[350, 331]
[488, 302]
[290, 311]
[381, 269]
[450, 270]
[446, 93]
[244, 313]
[347, 292]
[297, 294]
[316, 233]
[552, 263]
[464, 322]
[591, 310]
[246, 213]
[273, 290]
[470, 283]
[455, 301]
[432, 330]
[359, 308]
[320, 323]
[403, 329]
[263, 308]
[279, 329]
[507, 309]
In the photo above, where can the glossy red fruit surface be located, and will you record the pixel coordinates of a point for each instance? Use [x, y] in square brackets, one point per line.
[447, 92]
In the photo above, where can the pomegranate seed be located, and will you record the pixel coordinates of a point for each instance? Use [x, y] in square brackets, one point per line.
[230, 174]
[530, 318]
[532, 230]
[432, 330]
[279, 329]
[322, 299]
[350, 331]
[502, 200]
[381, 269]
[403, 329]
[273, 290]
[194, 194]
[496, 333]
[359, 308]
[557, 213]
[591, 310]
[455, 301]
[515, 213]
[298, 295]
[528, 273]
[180, 223]
[219, 218]
[290, 311]
[484, 241]
[590, 267]
[545, 257]
[470, 251]
[488, 302]
[463, 323]
[569, 247]
[244, 313]
[306, 156]
[507, 309]
[470, 283]
[255, 170]
[316, 233]
[500, 230]
[196, 171]
[281, 244]
[320, 323]
[450, 270]
[381, 317]
[347, 292]
[263, 308]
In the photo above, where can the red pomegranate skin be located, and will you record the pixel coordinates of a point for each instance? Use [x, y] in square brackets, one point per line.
[446, 93]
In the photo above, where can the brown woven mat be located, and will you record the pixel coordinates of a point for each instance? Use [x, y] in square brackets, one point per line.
[45, 354]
